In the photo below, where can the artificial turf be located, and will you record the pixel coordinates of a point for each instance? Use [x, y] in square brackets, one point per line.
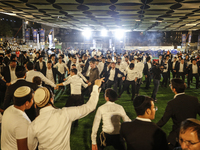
[81, 135]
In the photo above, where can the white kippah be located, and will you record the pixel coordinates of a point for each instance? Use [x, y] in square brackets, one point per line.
[22, 91]
[41, 96]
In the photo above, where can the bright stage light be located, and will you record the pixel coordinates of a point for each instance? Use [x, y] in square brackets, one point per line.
[87, 33]
[104, 32]
[119, 34]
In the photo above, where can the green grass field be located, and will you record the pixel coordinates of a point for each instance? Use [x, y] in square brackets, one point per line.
[80, 136]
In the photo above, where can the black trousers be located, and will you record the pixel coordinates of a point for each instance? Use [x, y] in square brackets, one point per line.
[60, 79]
[110, 140]
[165, 79]
[126, 85]
[110, 83]
[138, 83]
[74, 100]
[174, 74]
[182, 75]
[119, 84]
[190, 78]
[148, 80]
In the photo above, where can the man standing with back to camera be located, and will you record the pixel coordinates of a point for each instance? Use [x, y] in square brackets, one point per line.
[179, 109]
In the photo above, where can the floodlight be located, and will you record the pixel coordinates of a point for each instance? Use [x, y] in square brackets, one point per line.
[119, 34]
[87, 33]
[104, 32]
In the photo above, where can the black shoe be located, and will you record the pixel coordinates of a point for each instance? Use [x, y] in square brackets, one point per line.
[128, 92]
[119, 96]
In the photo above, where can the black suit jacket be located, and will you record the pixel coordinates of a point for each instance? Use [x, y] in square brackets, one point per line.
[142, 135]
[37, 67]
[6, 61]
[55, 72]
[116, 73]
[175, 67]
[10, 92]
[189, 69]
[178, 67]
[179, 109]
[6, 74]
[146, 69]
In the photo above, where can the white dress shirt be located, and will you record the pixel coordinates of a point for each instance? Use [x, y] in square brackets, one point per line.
[61, 67]
[179, 94]
[131, 74]
[13, 77]
[75, 83]
[52, 128]
[41, 64]
[80, 75]
[139, 69]
[173, 65]
[111, 114]
[149, 65]
[143, 119]
[181, 67]
[14, 126]
[166, 69]
[112, 74]
[31, 74]
[49, 75]
[194, 69]
[120, 67]
[100, 67]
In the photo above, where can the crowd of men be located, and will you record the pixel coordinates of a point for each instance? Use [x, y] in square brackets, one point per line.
[30, 119]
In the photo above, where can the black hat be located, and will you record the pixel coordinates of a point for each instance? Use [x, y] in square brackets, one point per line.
[8, 51]
[41, 56]
[147, 59]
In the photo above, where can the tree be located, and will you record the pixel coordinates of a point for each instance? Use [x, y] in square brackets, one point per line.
[5, 29]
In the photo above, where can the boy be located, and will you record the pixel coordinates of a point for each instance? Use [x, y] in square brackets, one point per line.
[110, 113]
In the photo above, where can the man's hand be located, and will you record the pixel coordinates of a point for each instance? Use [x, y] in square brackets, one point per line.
[89, 83]
[8, 84]
[56, 88]
[94, 147]
[99, 81]
[174, 70]
[135, 79]
[145, 76]
[64, 79]
[186, 74]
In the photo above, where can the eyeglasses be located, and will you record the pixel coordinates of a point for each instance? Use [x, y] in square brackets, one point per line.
[188, 143]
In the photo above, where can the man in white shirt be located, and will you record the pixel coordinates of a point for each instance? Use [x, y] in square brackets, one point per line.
[119, 76]
[57, 121]
[181, 69]
[100, 66]
[75, 99]
[62, 69]
[31, 74]
[131, 78]
[111, 114]
[193, 71]
[15, 122]
[139, 66]
[147, 72]
[111, 76]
